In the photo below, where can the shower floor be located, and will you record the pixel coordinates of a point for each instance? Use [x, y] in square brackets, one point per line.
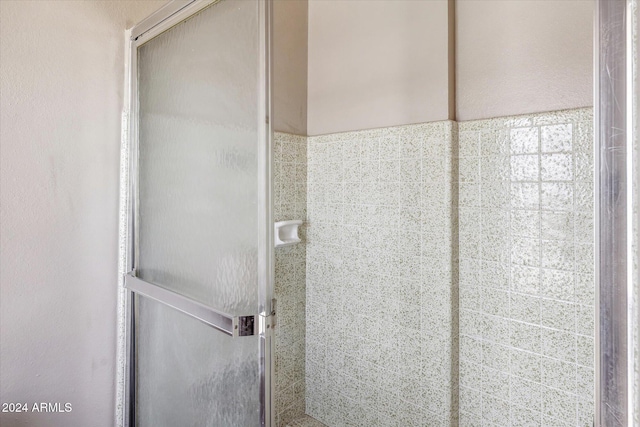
[305, 421]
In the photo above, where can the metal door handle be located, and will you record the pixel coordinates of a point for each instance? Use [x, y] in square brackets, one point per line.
[235, 326]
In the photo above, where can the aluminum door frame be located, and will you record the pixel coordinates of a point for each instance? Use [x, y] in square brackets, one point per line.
[613, 148]
[163, 19]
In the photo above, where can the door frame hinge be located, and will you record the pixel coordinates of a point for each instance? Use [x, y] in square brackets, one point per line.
[269, 320]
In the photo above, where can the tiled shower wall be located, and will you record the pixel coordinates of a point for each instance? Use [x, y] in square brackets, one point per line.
[290, 202]
[381, 274]
[526, 270]
[381, 266]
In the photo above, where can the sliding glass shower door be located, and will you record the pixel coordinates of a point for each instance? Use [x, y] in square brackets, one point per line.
[200, 243]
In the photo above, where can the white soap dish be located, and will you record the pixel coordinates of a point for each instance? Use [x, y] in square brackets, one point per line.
[286, 232]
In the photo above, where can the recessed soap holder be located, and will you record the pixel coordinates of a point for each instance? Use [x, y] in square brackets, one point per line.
[286, 232]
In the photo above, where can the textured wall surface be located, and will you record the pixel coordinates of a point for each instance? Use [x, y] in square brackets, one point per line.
[290, 202]
[381, 313]
[290, 41]
[526, 270]
[61, 78]
[523, 57]
[377, 63]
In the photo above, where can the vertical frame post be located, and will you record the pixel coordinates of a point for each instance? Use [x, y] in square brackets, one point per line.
[613, 201]
[265, 255]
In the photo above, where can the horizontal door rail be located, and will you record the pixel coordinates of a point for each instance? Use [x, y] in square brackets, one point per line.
[235, 326]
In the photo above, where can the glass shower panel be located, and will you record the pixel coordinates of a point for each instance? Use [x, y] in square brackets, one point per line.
[199, 213]
[190, 375]
[198, 166]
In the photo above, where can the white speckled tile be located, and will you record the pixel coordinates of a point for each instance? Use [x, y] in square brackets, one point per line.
[381, 268]
[290, 202]
[527, 350]
[382, 207]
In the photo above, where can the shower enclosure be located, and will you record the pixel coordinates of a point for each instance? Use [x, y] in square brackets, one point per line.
[198, 267]
[446, 271]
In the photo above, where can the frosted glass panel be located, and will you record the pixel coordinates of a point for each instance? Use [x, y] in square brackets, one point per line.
[189, 375]
[198, 217]
[198, 146]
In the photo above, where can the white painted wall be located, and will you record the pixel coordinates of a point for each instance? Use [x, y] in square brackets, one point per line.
[61, 84]
[523, 57]
[385, 63]
[289, 78]
[376, 64]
